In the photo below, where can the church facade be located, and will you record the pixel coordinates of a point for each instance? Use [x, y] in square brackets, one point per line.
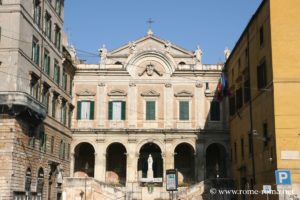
[149, 98]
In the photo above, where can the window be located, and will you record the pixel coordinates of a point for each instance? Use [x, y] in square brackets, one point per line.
[183, 110]
[45, 95]
[43, 141]
[207, 86]
[69, 151]
[46, 67]
[52, 144]
[232, 105]
[64, 113]
[64, 80]
[48, 25]
[62, 150]
[215, 111]
[57, 37]
[261, 75]
[242, 148]
[261, 36]
[31, 136]
[150, 110]
[56, 72]
[246, 90]
[58, 5]
[71, 85]
[117, 110]
[239, 98]
[265, 134]
[34, 87]
[37, 12]
[85, 110]
[28, 176]
[35, 51]
[54, 101]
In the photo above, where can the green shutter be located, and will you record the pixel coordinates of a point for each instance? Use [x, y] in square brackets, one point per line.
[92, 107]
[184, 110]
[78, 110]
[123, 114]
[150, 110]
[110, 110]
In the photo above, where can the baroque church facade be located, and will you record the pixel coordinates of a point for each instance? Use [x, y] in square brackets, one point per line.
[147, 98]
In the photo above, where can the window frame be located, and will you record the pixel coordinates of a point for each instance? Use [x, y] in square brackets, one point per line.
[123, 110]
[155, 110]
[180, 101]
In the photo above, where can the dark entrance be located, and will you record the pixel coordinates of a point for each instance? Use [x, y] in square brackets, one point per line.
[216, 161]
[84, 159]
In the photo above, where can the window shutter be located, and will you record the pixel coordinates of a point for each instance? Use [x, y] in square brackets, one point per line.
[150, 110]
[78, 110]
[92, 110]
[110, 110]
[123, 114]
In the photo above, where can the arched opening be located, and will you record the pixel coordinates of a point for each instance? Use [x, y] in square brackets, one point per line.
[184, 160]
[116, 164]
[28, 179]
[84, 160]
[118, 63]
[157, 161]
[216, 161]
[182, 63]
[40, 183]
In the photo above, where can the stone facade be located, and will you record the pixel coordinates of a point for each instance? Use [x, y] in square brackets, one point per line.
[148, 97]
[36, 70]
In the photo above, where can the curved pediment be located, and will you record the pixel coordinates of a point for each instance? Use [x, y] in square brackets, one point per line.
[85, 93]
[117, 93]
[150, 93]
[184, 93]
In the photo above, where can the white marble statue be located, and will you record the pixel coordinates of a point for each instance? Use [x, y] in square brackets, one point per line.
[132, 46]
[198, 54]
[150, 162]
[103, 53]
[226, 53]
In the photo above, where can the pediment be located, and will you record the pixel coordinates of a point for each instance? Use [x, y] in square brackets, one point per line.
[150, 93]
[150, 42]
[117, 93]
[184, 93]
[85, 93]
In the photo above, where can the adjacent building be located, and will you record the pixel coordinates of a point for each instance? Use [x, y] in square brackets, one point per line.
[36, 72]
[147, 98]
[263, 74]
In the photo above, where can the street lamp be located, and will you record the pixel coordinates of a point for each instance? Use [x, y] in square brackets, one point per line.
[86, 167]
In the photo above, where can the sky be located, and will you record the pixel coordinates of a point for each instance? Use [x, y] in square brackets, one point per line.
[211, 24]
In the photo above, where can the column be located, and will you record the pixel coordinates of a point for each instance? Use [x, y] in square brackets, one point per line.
[100, 164]
[198, 105]
[168, 105]
[72, 164]
[132, 102]
[102, 105]
[169, 156]
[201, 161]
[131, 162]
[59, 108]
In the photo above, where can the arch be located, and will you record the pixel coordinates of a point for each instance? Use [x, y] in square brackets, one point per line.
[118, 63]
[184, 162]
[192, 144]
[116, 163]
[166, 61]
[145, 151]
[157, 142]
[40, 181]
[181, 63]
[216, 161]
[84, 159]
[75, 144]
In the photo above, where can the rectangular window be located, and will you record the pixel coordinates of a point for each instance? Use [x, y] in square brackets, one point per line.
[242, 148]
[34, 87]
[58, 5]
[52, 145]
[246, 90]
[45, 97]
[261, 36]
[48, 25]
[215, 111]
[57, 37]
[43, 141]
[54, 101]
[85, 110]
[35, 51]
[46, 67]
[31, 136]
[265, 134]
[150, 110]
[71, 86]
[183, 110]
[64, 80]
[261, 75]
[56, 73]
[64, 114]
[37, 12]
[117, 110]
[239, 98]
[232, 105]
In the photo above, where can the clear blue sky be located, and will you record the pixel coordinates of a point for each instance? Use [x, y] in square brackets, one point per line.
[211, 24]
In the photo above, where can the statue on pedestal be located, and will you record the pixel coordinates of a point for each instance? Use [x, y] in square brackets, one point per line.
[150, 165]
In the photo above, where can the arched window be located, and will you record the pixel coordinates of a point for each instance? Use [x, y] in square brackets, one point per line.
[118, 63]
[40, 182]
[28, 179]
[182, 63]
